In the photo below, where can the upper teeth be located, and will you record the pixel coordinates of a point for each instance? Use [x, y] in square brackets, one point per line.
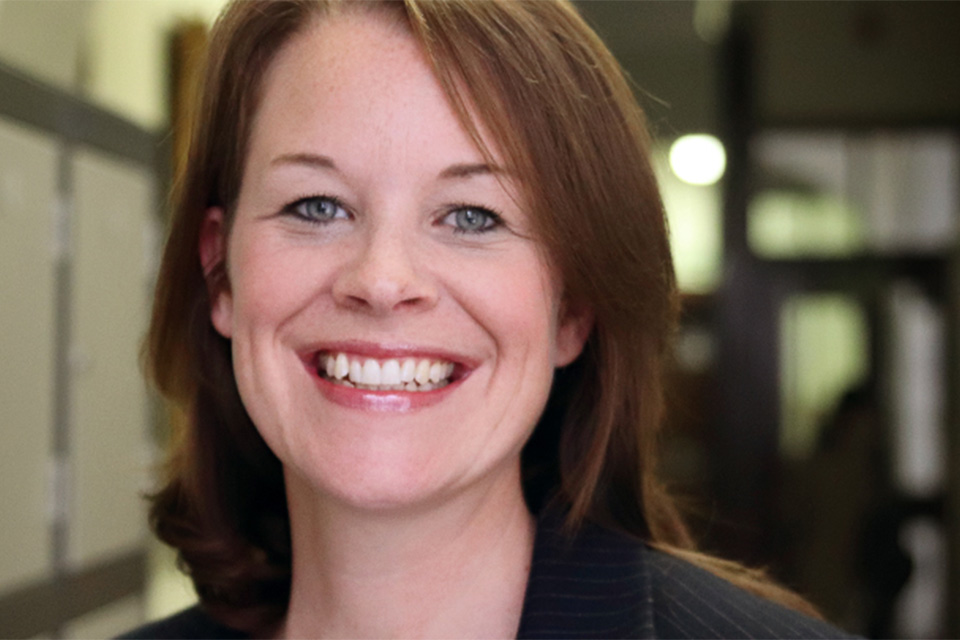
[402, 372]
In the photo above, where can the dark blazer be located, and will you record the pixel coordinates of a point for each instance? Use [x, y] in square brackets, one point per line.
[602, 584]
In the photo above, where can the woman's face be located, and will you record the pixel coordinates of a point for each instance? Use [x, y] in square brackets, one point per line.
[394, 327]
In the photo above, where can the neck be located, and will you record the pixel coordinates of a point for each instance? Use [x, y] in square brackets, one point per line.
[457, 569]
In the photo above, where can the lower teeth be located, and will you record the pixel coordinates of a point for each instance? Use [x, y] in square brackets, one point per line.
[410, 386]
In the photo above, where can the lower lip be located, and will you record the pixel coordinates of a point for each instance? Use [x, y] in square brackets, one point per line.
[382, 401]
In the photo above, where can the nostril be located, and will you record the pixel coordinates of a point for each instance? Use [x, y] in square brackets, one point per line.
[387, 295]
[384, 278]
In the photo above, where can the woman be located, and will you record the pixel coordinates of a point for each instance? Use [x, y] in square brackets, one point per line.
[408, 217]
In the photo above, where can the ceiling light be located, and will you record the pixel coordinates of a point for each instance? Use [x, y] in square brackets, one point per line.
[698, 159]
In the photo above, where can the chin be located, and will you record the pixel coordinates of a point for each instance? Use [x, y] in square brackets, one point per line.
[376, 486]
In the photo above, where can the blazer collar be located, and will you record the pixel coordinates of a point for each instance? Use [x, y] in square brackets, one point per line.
[593, 585]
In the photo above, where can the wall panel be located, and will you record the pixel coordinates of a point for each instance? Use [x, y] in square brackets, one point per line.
[28, 195]
[109, 451]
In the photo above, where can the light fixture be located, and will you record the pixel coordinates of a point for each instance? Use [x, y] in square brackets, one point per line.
[698, 159]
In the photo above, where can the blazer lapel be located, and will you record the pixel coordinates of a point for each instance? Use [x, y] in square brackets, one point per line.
[594, 585]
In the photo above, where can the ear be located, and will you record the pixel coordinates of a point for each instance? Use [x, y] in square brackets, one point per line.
[212, 248]
[573, 329]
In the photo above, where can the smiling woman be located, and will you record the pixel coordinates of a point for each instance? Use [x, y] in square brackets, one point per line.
[414, 302]
[382, 263]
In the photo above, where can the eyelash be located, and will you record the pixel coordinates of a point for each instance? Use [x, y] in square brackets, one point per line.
[494, 218]
[292, 209]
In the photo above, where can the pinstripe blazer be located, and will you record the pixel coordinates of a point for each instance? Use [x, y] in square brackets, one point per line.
[602, 584]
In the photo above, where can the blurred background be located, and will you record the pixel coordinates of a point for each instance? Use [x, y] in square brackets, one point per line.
[809, 155]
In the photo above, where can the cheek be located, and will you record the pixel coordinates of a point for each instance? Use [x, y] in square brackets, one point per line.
[516, 303]
[270, 283]
[536, 301]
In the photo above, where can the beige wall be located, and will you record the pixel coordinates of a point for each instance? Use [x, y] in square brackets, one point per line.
[112, 52]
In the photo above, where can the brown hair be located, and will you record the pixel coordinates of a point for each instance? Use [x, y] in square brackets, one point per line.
[565, 120]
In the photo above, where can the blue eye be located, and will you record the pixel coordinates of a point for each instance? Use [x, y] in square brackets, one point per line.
[472, 220]
[318, 209]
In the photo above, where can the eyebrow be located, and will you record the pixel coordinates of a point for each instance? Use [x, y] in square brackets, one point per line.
[308, 159]
[469, 170]
[455, 171]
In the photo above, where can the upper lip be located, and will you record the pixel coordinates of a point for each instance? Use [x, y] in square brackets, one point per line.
[386, 351]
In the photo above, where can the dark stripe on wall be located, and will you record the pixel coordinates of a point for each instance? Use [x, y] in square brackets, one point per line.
[43, 606]
[53, 110]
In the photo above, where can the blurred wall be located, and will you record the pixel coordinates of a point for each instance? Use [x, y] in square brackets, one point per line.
[112, 53]
[83, 103]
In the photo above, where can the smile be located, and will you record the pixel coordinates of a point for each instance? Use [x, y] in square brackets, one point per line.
[392, 374]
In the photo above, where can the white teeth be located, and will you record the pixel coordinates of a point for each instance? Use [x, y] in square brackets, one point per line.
[409, 374]
[341, 367]
[371, 372]
[390, 372]
[356, 371]
[409, 370]
[330, 365]
[422, 375]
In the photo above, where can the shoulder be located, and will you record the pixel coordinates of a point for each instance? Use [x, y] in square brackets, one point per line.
[599, 583]
[189, 623]
[691, 602]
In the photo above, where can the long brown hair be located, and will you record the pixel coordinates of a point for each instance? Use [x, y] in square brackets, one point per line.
[565, 120]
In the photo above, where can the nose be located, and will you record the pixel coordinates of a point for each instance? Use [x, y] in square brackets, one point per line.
[384, 277]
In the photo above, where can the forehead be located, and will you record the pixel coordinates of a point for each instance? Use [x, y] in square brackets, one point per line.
[359, 83]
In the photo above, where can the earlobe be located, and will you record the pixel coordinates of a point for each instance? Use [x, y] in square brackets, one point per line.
[572, 333]
[212, 250]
